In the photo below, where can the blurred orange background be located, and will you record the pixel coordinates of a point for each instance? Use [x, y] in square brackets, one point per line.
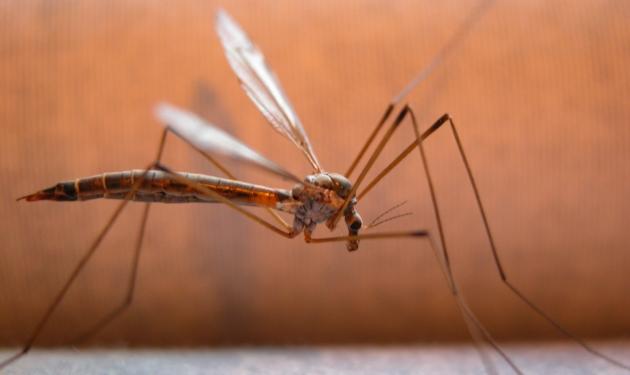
[539, 91]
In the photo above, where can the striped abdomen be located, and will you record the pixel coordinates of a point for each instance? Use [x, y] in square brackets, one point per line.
[158, 186]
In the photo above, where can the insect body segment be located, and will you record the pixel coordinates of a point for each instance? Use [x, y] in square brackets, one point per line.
[322, 195]
[313, 202]
[158, 186]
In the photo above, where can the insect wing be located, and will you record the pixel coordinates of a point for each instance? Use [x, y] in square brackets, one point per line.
[209, 138]
[261, 85]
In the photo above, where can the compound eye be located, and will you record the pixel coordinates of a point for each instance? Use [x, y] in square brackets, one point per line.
[356, 225]
[354, 222]
[341, 185]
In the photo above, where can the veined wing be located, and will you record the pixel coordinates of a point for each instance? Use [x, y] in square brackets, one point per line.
[207, 137]
[261, 84]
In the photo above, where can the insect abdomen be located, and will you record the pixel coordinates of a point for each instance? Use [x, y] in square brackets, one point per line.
[158, 186]
[93, 187]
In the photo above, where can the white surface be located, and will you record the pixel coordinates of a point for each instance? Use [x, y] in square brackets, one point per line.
[536, 358]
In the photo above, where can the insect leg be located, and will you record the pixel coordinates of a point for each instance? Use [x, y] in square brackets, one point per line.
[128, 299]
[386, 137]
[401, 116]
[114, 313]
[503, 276]
[82, 262]
[460, 34]
[446, 119]
[436, 125]
[443, 259]
[366, 145]
[132, 279]
[471, 320]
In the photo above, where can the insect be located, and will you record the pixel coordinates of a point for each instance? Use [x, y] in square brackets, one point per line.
[322, 197]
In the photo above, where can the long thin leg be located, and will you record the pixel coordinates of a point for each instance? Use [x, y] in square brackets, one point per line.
[501, 271]
[131, 285]
[468, 315]
[444, 259]
[401, 116]
[83, 261]
[417, 143]
[436, 125]
[368, 142]
[451, 45]
[92, 249]
[470, 320]
[53, 306]
[114, 313]
[117, 311]
[109, 317]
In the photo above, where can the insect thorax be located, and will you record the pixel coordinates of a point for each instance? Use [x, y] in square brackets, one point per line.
[321, 196]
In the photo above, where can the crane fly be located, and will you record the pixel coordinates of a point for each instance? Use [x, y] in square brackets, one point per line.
[321, 197]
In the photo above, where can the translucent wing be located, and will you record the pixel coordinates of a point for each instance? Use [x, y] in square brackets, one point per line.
[207, 137]
[261, 85]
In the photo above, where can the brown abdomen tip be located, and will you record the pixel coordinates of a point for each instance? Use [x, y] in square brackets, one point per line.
[46, 194]
[60, 192]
